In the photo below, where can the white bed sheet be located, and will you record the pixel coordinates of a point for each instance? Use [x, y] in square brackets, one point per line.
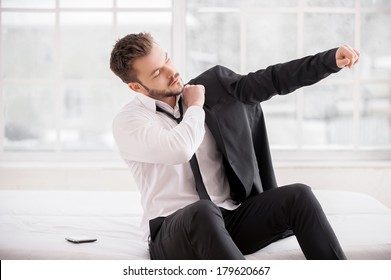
[34, 225]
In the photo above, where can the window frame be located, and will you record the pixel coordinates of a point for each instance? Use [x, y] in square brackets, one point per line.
[295, 155]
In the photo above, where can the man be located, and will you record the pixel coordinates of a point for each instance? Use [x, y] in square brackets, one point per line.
[223, 202]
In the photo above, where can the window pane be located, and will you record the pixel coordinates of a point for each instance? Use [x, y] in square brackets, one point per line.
[28, 4]
[376, 46]
[280, 113]
[88, 113]
[212, 35]
[86, 43]
[28, 45]
[331, 3]
[326, 31]
[375, 115]
[86, 3]
[268, 3]
[376, 3]
[30, 117]
[195, 4]
[144, 4]
[121, 94]
[157, 23]
[328, 115]
[212, 38]
[267, 37]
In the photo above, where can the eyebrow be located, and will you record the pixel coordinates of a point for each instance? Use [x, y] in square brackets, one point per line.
[156, 69]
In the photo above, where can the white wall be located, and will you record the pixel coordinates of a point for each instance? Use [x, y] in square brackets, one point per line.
[374, 180]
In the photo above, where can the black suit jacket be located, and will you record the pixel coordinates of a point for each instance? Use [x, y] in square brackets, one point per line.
[235, 118]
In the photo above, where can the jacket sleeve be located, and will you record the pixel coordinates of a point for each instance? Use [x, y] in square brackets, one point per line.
[279, 79]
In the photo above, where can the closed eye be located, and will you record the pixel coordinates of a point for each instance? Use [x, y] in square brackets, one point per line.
[156, 74]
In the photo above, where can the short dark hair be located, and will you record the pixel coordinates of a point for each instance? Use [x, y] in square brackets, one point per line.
[126, 50]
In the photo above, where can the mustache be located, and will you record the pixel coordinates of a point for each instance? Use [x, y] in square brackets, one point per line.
[174, 78]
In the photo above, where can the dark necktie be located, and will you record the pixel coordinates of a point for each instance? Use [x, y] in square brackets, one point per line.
[200, 187]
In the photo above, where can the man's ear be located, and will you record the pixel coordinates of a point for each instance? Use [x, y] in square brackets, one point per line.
[135, 86]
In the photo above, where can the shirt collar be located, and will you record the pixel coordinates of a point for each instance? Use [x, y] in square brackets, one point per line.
[151, 103]
[148, 102]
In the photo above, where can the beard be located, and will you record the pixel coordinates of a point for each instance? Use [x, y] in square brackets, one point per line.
[163, 94]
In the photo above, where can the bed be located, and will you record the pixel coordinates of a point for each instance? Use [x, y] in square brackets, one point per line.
[34, 225]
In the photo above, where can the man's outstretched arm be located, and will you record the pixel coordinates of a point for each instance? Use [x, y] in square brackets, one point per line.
[284, 78]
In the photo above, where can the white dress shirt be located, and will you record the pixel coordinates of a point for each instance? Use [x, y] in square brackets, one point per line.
[158, 150]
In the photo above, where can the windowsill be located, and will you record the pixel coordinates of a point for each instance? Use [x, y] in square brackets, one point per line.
[281, 159]
[121, 165]
[333, 164]
[63, 165]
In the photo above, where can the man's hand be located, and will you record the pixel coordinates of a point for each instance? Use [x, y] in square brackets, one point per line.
[346, 56]
[194, 95]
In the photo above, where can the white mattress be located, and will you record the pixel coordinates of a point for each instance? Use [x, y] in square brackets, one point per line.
[34, 225]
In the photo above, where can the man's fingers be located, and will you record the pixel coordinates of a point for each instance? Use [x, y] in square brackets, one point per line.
[194, 95]
[346, 62]
[352, 54]
[347, 56]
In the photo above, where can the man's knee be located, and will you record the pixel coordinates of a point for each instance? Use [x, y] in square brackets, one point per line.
[301, 189]
[304, 198]
[300, 193]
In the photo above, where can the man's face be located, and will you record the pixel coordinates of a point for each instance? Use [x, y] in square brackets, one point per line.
[157, 75]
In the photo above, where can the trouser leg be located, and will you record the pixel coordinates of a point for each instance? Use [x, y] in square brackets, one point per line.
[194, 232]
[263, 218]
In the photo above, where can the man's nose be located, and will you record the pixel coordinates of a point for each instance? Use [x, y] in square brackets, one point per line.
[169, 71]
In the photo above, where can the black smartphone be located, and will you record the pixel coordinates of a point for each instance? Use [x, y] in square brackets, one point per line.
[80, 239]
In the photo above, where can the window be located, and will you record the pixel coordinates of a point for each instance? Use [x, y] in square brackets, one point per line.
[349, 112]
[58, 96]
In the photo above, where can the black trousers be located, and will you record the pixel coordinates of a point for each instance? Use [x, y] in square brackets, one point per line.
[204, 231]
